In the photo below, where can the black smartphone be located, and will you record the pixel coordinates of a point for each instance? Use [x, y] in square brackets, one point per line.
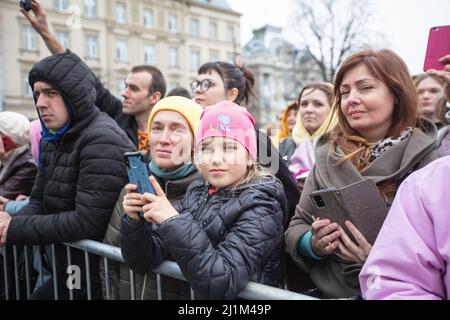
[25, 4]
[138, 173]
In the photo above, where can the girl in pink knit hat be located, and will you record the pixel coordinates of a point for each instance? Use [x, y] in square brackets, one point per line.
[228, 230]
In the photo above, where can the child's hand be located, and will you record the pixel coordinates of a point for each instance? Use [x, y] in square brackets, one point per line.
[132, 202]
[159, 209]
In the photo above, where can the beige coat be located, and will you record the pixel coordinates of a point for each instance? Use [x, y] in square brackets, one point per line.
[332, 276]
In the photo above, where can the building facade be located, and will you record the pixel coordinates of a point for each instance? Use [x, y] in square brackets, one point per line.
[280, 71]
[177, 36]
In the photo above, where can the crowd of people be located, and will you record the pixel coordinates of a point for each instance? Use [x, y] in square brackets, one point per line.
[348, 203]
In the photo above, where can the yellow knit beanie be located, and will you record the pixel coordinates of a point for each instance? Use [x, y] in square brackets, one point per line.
[189, 109]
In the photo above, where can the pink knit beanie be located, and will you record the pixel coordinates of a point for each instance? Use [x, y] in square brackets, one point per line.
[227, 119]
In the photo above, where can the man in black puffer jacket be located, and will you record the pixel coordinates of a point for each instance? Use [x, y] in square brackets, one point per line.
[81, 170]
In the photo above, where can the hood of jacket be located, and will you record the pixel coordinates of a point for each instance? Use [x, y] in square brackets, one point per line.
[67, 73]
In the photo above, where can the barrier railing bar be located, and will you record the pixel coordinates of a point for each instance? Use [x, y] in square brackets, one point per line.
[253, 291]
[16, 273]
[27, 271]
[55, 274]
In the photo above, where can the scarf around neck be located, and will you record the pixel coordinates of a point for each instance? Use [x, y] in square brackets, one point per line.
[181, 172]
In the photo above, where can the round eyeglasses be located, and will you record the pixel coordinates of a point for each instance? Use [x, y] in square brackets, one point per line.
[204, 85]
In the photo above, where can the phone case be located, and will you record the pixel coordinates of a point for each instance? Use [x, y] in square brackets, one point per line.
[438, 46]
[138, 173]
[361, 203]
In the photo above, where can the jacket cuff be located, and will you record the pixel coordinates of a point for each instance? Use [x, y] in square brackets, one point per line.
[304, 247]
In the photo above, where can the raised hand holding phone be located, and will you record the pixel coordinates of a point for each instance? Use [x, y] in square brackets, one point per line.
[158, 208]
[438, 46]
[138, 176]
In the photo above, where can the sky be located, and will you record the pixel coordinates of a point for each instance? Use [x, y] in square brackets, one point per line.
[405, 24]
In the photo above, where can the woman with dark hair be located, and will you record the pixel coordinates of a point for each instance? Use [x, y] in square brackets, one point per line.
[218, 81]
[379, 140]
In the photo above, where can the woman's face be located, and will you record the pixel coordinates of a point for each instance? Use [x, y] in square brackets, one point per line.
[314, 109]
[367, 103]
[171, 140]
[214, 94]
[429, 92]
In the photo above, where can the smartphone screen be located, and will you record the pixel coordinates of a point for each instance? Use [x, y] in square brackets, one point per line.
[438, 47]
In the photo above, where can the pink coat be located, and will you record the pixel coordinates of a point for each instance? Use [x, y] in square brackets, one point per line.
[410, 258]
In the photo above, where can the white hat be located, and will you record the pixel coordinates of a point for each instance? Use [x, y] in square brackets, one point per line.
[15, 126]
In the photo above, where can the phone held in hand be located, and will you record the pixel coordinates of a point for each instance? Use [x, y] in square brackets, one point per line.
[138, 173]
[8, 143]
[360, 203]
[438, 47]
[26, 5]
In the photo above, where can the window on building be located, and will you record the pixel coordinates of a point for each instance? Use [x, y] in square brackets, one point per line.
[148, 18]
[149, 54]
[213, 31]
[195, 28]
[173, 23]
[122, 50]
[61, 5]
[214, 55]
[90, 8]
[121, 12]
[63, 38]
[91, 47]
[173, 57]
[195, 59]
[28, 38]
[27, 92]
[230, 34]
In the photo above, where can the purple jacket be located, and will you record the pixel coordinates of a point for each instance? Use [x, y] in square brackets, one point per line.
[410, 258]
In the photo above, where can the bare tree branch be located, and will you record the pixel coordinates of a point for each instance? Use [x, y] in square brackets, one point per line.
[331, 29]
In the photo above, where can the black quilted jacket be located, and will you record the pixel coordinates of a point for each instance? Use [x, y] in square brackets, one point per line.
[220, 241]
[81, 172]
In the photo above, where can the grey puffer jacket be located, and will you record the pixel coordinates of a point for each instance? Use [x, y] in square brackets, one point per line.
[221, 241]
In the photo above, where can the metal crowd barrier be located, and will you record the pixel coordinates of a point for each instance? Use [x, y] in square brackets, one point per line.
[253, 291]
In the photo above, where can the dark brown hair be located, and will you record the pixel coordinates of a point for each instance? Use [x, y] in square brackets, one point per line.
[158, 83]
[233, 76]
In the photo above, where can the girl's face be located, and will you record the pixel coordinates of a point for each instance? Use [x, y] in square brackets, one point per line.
[314, 109]
[429, 92]
[223, 161]
[171, 140]
[210, 89]
[367, 103]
